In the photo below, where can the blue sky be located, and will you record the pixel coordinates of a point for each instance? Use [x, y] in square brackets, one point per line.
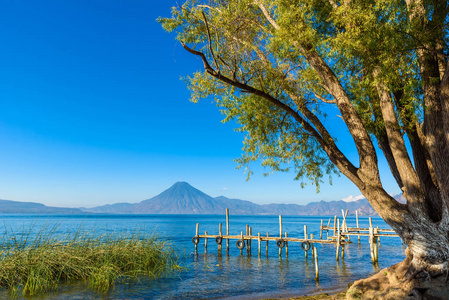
[93, 111]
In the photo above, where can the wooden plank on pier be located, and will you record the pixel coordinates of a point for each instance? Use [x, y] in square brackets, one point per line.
[359, 229]
[270, 238]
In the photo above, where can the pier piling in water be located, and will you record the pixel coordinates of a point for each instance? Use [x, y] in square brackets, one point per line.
[266, 250]
[315, 255]
[305, 238]
[241, 237]
[227, 230]
[249, 244]
[335, 225]
[338, 239]
[321, 230]
[247, 241]
[196, 235]
[221, 239]
[280, 234]
[311, 245]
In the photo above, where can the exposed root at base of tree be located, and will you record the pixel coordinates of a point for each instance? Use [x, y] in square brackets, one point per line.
[400, 282]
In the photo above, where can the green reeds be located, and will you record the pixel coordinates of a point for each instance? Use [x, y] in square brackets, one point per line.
[37, 263]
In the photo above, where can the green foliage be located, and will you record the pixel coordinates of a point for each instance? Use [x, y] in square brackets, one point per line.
[36, 265]
[354, 40]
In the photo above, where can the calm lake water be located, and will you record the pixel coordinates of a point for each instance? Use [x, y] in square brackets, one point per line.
[209, 276]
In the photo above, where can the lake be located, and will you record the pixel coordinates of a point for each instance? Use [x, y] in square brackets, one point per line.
[210, 276]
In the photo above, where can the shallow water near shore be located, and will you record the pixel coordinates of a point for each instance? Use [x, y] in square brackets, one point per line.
[211, 276]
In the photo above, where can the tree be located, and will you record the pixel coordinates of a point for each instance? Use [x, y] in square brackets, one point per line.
[278, 67]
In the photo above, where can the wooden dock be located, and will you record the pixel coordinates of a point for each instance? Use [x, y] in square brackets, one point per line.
[339, 234]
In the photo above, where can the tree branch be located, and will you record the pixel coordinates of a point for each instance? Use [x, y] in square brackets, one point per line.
[326, 142]
[423, 164]
[268, 16]
[382, 141]
[325, 100]
[210, 41]
[412, 188]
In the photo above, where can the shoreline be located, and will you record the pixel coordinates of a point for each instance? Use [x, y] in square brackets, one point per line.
[323, 296]
[328, 294]
[338, 294]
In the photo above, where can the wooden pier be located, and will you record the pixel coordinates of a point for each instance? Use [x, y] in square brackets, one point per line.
[340, 236]
[374, 234]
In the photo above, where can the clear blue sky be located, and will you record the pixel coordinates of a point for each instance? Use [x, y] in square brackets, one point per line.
[93, 111]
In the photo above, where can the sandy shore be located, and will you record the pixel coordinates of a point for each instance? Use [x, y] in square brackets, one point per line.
[323, 296]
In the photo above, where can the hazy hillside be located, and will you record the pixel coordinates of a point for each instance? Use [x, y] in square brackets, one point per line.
[16, 207]
[124, 208]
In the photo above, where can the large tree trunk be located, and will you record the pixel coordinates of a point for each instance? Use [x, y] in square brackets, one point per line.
[428, 244]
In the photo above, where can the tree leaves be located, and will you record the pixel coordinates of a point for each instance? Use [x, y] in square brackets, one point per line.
[242, 44]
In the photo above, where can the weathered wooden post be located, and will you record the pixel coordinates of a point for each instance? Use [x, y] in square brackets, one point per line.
[327, 230]
[227, 230]
[247, 241]
[280, 226]
[258, 240]
[266, 250]
[371, 240]
[196, 235]
[338, 239]
[306, 238]
[241, 237]
[205, 242]
[345, 224]
[376, 248]
[250, 239]
[378, 237]
[286, 245]
[357, 223]
[315, 254]
[335, 224]
[311, 244]
[280, 233]
[321, 230]
[221, 241]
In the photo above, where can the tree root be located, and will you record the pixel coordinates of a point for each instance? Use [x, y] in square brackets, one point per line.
[422, 274]
[402, 280]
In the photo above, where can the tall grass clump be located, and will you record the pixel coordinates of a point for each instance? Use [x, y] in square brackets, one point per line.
[37, 263]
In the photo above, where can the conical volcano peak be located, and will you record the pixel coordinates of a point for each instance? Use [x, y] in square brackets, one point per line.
[181, 198]
[181, 184]
[183, 188]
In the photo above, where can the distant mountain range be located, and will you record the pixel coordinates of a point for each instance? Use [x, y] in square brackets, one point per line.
[182, 198]
[16, 207]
